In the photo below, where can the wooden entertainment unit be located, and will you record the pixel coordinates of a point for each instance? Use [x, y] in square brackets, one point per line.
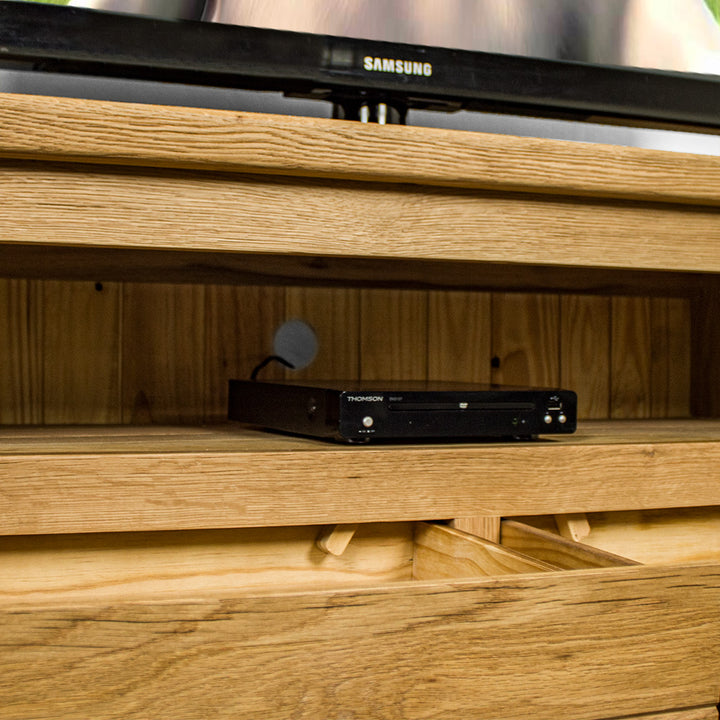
[157, 561]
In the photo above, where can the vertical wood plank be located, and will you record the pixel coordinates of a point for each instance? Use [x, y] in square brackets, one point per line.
[334, 314]
[670, 357]
[20, 370]
[240, 322]
[163, 344]
[80, 351]
[393, 335]
[705, 350]
[525, 331]
[487, 527]
[459, 336]
[631, 348]
[585, 352]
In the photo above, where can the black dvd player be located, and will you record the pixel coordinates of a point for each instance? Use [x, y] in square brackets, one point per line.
[361, 412]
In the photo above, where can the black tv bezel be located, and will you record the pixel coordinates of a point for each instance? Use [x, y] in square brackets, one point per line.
[60, 39]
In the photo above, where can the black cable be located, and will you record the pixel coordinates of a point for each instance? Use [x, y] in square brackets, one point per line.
[267, 361]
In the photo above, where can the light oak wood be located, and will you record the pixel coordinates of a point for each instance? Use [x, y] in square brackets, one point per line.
[574, 526]
[445, 552]
[162, 565]
[127, 134]
[334, 539]
[180, 210]
[658, 536]
[393, 335]
[188, 621]
[94, 345]
[239, 324]
[335, 315]
[585, 352]
[20, 354]
[484, 527]
[702, 713]
[81, 330]
[163, 358]
[102, 479]
[487, 648]
[525, 339]
[459, 336]
[631, 358]
[559, 551]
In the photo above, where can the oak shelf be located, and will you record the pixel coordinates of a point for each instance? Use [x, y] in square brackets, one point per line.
[135, 478]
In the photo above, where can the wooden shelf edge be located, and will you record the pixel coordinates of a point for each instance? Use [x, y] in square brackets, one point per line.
[69, 129]
[88, 480]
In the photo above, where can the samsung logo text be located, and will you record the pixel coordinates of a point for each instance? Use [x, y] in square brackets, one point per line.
[401, 67]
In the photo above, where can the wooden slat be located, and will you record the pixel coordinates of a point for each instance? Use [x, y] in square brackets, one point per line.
[631, 358]
[87, 481]
[393, 335]
[444, 552]
[670, 357]
[585, 352]
[526, 339]
[179, 210]
[93, 131]
[81, 351]
[240, 322]
[555, 549]
[482, 526]
[486, 648]
[334, 314]
[20, 354]
[162, 347]
[704, 349]
[459, 336]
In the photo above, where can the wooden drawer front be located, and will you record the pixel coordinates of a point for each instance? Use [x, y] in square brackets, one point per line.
[264, 624]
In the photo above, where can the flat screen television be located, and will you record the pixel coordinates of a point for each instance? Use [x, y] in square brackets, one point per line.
[648, 62]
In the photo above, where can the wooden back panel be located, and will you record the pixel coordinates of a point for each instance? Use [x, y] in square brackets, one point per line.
[86, 352]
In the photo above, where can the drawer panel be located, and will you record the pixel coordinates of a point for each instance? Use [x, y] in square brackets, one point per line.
[378, 635]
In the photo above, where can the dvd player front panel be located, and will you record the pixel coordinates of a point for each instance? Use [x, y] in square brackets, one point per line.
[473, 414]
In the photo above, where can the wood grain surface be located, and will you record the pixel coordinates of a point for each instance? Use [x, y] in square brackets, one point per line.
[445, 552]
[81, 358]
[127, 134]
[169, 350]
[144, 208]
[163, 337]
[525, 339]
[239, 325]
[105, 479]
[21, 379]
[658, 536]
[459, 336]
[336, 317]
[585, 352]
[121, 566]
[393, 335]
[487, 648]
[559, 551]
